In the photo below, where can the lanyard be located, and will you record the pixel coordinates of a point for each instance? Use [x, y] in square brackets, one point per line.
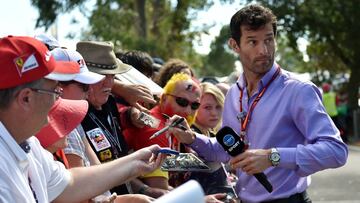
[112, 137]
[245, 119]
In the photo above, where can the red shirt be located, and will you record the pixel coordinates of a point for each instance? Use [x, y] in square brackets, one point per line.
[138, 138]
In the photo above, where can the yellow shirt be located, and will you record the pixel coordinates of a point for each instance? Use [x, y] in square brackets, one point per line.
[329, 101]
[157, 173]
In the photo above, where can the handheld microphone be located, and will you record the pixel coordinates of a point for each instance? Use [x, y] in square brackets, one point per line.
[233, 145]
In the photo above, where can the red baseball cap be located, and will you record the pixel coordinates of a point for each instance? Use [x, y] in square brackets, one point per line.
[64, 116]
[25, 59]
[326, 87]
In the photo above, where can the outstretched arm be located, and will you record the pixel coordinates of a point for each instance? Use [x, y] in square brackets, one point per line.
[90, 181]
[133, 94]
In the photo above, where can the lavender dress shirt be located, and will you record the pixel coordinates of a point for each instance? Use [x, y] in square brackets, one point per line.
[290, 117]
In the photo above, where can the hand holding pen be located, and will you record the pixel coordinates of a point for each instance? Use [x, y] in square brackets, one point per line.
[186, 135]
[173, 124]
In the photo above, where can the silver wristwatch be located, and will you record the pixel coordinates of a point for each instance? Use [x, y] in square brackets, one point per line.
[274, 157]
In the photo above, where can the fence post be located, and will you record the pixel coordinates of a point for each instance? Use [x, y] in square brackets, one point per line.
[356, 118]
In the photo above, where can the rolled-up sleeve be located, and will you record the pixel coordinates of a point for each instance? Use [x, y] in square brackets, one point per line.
[324, 148]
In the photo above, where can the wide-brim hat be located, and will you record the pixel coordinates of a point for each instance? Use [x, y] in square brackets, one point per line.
[100, 57]
[84, 76]
[64, 116]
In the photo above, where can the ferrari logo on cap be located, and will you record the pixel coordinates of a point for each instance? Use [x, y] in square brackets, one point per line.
[19, 62]
[81, 62]
[25, 63]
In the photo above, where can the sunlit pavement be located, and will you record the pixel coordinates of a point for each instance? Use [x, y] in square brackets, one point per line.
[340, 185]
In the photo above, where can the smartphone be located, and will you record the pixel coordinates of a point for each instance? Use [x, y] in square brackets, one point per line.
[184, 162]
[149, 120]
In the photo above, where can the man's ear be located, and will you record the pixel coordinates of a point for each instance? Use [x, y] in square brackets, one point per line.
[24, 98]
[233, 45]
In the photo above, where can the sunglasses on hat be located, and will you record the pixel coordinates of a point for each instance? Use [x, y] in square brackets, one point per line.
[184, 102]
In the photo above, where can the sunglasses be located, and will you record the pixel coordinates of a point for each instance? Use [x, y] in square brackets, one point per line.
[184, 102]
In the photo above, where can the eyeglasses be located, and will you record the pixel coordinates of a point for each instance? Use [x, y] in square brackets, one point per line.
[184, 102]
[56, 92]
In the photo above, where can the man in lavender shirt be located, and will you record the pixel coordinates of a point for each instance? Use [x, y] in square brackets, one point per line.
[281, 118]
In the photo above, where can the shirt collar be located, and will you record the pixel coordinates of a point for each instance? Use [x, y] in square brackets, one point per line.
[267, 77]
[13, 146]
[264, 80]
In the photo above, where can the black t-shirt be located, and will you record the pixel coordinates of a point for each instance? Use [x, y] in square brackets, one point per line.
[214, 182]
[104, 134]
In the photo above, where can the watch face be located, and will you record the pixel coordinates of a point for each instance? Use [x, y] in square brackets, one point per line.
[275, 157]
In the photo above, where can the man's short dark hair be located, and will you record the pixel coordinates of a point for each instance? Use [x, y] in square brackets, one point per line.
[141, 61]
[255, 16]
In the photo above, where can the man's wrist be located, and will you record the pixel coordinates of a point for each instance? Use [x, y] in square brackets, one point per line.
[193, 137]
[274, 157]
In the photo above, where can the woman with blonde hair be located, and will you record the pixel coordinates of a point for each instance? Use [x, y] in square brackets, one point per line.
[208, 117]
[207, 122]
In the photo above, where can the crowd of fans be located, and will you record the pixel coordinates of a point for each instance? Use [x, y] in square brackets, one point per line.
[104, 148]
[108, 125]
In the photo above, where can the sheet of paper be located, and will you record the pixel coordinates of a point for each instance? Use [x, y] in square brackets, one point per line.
[134, 76]
[189, 192]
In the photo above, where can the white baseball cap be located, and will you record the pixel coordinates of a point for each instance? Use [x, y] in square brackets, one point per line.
[49, 40]
[84, 76]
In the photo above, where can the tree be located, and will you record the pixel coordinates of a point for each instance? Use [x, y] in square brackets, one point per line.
[221, 60]
[292, 59]
[332, 26]
[161, 28]
[50, 9]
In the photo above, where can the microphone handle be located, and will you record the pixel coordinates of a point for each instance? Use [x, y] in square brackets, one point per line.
[261, 177]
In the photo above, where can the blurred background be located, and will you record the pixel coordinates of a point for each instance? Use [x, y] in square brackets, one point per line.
[319, 40]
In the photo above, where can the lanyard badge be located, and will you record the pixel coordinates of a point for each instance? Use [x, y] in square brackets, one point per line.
[243, 116]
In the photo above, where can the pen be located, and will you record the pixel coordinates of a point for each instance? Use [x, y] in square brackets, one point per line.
[180, 126]
[168, 151]
[175, 123]
[227, 178]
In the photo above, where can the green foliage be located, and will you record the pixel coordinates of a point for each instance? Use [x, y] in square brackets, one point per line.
[332, 27]
[221, 60]
[153, 26]
[159, 27]
[50, 9]
[289, 58]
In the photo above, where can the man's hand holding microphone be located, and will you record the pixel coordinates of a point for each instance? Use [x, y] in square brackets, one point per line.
[252, 161]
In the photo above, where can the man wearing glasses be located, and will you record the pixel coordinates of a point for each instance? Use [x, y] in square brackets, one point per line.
[28, 173]
[181, 97]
